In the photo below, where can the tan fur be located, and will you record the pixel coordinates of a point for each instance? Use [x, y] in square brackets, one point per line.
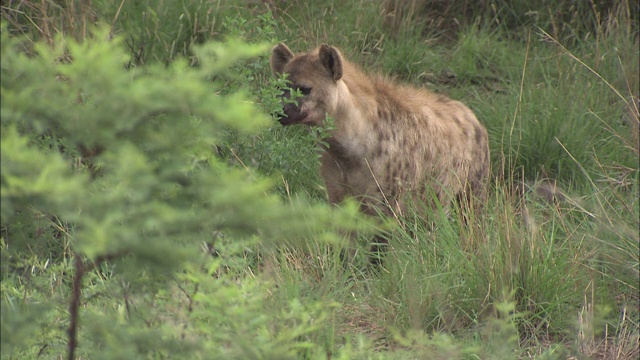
[392, 143]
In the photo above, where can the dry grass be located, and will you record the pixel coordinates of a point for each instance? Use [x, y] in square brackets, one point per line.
[50, 18]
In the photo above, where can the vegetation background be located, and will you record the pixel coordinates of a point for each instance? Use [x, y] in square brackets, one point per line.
[153, 208]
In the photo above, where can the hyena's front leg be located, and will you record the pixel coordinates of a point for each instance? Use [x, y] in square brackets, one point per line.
[337, 191]
[333, 177]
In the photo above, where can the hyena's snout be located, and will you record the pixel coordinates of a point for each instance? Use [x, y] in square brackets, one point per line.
[291, 112]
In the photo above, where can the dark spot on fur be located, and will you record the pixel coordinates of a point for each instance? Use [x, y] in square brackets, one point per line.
[427, 157]
[402, 169]
[437, 114]
[382, 136]
[387, 176]
[411, 167]
[413, 148]
[381, 114]
[478, 176]
[457, 164]
[394, 174]
[479, 134]
[376, 127]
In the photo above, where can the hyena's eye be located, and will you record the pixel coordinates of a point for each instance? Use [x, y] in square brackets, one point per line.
[304, 90]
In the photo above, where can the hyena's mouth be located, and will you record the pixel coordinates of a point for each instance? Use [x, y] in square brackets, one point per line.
[292, 118]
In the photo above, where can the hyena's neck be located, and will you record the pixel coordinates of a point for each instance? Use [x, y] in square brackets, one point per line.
[354, 134]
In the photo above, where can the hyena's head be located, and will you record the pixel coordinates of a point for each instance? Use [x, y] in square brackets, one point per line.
[316, 75]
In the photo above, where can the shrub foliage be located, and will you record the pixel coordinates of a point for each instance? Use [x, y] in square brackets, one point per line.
[118, 171]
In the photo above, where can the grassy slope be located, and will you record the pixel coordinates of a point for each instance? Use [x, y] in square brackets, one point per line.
[552, 113]
[528, 277]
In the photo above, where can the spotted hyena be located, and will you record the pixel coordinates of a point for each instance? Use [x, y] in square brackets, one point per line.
[391, 144]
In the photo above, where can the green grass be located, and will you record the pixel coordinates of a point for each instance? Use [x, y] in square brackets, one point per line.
[527, 278]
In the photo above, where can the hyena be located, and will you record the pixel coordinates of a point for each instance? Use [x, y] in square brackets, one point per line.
[391, 144]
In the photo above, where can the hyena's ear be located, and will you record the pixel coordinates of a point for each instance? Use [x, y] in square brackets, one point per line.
[280, 56]
[331, 59]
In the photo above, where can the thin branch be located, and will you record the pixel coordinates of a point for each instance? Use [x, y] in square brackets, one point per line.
[81, 268]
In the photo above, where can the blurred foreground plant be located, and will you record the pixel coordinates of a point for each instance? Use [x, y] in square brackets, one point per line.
[117, 172]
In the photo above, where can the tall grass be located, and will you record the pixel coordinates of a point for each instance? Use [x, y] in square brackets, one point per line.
[553, 100]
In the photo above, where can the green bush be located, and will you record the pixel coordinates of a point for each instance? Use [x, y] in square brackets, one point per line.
[113, 177]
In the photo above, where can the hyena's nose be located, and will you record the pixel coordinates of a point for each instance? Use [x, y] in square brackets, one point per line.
[291, 113]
